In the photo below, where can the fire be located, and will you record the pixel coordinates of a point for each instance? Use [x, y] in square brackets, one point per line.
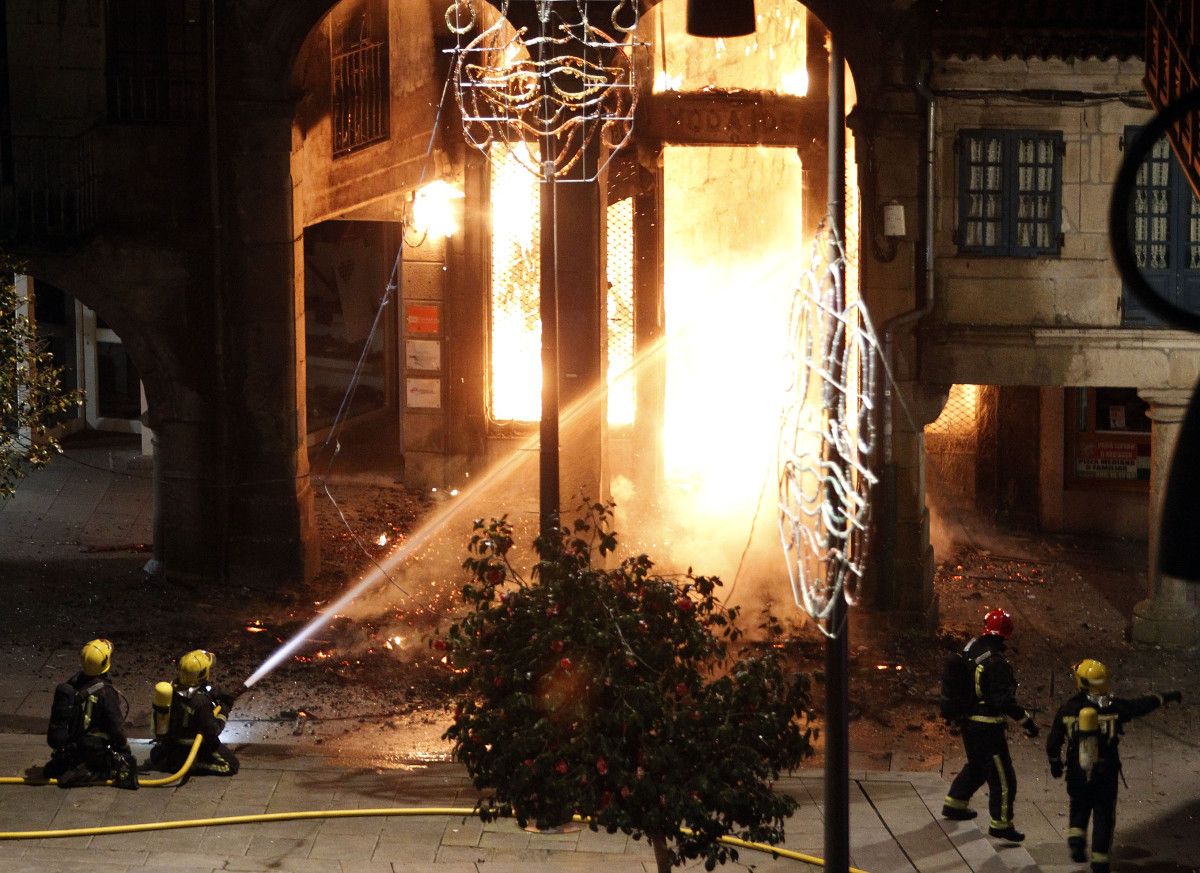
[255, 627]
[733, 227]
[382, 540]
[516, 364]
[770, 59]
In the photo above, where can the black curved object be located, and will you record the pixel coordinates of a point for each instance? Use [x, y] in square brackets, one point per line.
[1118, 214]
[1179, 522]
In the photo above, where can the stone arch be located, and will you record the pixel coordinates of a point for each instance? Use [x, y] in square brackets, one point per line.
[92, 283]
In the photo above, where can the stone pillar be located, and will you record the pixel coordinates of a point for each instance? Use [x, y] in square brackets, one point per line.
[268, 530]
[1170, 616]
[906, 583]
[572, 246]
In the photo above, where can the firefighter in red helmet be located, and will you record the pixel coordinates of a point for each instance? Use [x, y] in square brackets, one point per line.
[991, 699]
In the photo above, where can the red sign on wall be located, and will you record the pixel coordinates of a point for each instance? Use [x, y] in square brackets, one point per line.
[422, 319]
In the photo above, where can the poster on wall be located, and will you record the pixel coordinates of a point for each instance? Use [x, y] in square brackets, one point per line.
[423, 355]
[422, 319]
[423, 393]
[1109, 459]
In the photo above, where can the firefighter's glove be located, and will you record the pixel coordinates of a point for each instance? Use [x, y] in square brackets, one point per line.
[1056, 768]
[1030, 727]
[1173, 697]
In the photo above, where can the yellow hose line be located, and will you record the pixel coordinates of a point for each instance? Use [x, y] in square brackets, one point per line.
[302, 814]
[142, 783]
[181, 772]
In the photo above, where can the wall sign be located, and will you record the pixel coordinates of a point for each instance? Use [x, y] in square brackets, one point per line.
[423, 393]
[423, 354]
[423, 319]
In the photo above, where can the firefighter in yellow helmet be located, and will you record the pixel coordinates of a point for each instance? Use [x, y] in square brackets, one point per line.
[1092, 723]
[87, 725]
[196, 707]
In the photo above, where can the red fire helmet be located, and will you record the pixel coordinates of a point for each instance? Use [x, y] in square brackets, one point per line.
[998, 622]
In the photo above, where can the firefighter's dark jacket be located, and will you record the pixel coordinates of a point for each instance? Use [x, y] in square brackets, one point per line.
[194, 711]
[995, 684]
[102, 710]
[1113, 716]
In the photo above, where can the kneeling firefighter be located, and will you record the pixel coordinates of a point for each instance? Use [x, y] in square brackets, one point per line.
[190, 706]
[86, 729]
[1092, 723]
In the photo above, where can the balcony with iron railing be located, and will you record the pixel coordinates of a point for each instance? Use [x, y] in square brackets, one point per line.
[360, 97]
[153, 99]
[1173, 69]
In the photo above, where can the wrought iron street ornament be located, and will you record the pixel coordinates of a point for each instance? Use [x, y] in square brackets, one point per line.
[553, 87]
[827, 438]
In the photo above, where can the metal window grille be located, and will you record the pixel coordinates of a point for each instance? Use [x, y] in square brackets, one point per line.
[52, 192]
[1010, 192]
[1151, 210]
[952, 449]
[516, 323]
[1165, 221]
[985, 196]
[155, 60]
[619, 266]
[956, 430]
[360, 95]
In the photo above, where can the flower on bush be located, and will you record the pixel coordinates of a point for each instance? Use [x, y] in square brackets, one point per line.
[619, 695]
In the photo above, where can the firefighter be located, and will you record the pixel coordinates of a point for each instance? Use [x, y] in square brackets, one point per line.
[1092, 722]
[983, 730]
[86, 730]
[195, 707]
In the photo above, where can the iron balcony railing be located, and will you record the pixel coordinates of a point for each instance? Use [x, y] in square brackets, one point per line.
[155, 98]
[1172, 69]
[360, 97]
[49, 190]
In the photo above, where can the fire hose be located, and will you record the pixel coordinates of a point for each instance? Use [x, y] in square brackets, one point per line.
[142, 783]
[303, 814]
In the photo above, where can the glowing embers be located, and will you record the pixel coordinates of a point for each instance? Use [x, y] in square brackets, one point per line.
[560, 81]
[827, 437]
[516, 361]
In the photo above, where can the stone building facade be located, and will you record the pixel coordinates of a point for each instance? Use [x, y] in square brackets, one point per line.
[250, 173]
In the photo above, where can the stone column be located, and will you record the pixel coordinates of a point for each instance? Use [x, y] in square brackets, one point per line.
[905, 584]
[1170, 616]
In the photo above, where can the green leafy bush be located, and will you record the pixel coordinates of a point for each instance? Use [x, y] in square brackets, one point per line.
[619, 695]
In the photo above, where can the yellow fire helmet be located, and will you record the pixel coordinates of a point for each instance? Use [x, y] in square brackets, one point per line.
[1091, 676]
[195, 666]
[96, 657]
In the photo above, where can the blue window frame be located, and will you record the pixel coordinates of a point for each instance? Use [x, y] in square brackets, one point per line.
[1166, 234]
[1010, 193]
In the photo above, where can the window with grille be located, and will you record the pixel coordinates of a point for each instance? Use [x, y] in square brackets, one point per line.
[359, 97]
[1009, 192]
[1165, 223]
[155, 60]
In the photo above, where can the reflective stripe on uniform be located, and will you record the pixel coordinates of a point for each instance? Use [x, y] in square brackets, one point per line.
[987, 719]
[1099, 858]
[955, 803]
[979, 682]
[1005, 801]
[1076, 832]
[1000, 825]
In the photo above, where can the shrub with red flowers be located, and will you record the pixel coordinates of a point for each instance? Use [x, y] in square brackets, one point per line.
[619, 695]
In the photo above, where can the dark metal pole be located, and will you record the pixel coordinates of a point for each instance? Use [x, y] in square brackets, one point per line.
[837, 700]
[548, 490]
